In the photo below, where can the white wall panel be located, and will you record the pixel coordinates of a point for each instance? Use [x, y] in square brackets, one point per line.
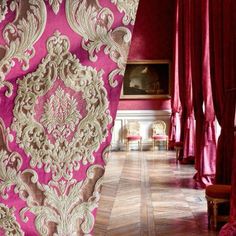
[145, 118]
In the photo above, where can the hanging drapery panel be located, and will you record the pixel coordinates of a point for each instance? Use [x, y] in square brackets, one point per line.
[209, 138]
[226, 155]
[189, 124]
[223, 21]
[182, 119]
[229, 229]
[203, 103]
[195, 88]
[223, 80]
[196, 51]
[61, 68]
[175, 121]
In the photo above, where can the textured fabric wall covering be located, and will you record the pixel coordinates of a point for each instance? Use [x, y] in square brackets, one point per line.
[152, 40]
[61, 67]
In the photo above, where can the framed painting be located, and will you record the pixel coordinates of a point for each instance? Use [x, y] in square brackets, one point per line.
[146, 80]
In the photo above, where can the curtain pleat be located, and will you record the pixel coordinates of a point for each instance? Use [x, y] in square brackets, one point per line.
[175, 121]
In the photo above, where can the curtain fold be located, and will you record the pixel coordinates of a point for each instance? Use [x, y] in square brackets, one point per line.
[223, 63]
[189, 124]
[182, 93]
[195, 88]
[175, 120]
[61, 67]
[209, 139]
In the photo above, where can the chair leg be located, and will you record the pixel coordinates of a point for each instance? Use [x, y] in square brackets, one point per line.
[209, 209]
[215, 213]
[141, 145]
[127, 146]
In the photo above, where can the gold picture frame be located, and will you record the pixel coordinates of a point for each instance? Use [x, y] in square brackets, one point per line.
[146, 79]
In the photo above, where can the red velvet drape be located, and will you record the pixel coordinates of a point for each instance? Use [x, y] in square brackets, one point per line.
[223, 63]
[233, 196]
[223, 21]
[175, 121]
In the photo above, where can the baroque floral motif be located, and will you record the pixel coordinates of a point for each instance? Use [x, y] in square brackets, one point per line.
[66, 205]
[3, 10]
[55, 5]
[93, 23]
[63, 156]
[20, 36]
[129, 7]
[8, 222]
[60, 114]
[106, 154]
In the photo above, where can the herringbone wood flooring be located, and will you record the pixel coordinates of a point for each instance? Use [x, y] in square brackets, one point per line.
[148, 194]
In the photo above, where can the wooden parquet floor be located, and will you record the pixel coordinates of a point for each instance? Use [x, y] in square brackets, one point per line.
[148, 194]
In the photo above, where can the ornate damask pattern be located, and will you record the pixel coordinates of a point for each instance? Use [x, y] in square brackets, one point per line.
[63, 154]
[129, 7]
[58, 115]
[106, 154]
[62, 208]
[93, 23]
[20, 37]
[8, 222]
[55, 5]
[3, 10]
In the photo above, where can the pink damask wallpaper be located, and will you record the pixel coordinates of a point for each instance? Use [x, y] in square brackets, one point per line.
[61, 67]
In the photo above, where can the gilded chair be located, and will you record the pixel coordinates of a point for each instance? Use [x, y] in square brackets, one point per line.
[217, 196]
[133, 134]
[159, 133]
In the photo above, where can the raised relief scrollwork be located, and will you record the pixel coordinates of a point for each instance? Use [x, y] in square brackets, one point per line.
[129, 7]
[8, 221]
[10, 163]
[55, 5]
[20, 37]
[66, 205]
[106, 154]
[94, 24]
[62, 207]
[3, 10]
[63, 133]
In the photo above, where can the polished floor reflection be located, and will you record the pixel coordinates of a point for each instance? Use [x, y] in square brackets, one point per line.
[148, 194]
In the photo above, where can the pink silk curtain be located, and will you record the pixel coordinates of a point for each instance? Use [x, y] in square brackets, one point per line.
[195, 88]
[175, 121]
[182, 102]
[189, 125]
[205, 155]
[61, 67]
[209, 135]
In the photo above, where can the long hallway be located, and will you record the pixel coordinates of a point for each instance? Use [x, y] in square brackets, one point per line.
[148, 194]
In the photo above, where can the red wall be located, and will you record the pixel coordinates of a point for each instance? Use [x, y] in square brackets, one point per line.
[152, 40]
